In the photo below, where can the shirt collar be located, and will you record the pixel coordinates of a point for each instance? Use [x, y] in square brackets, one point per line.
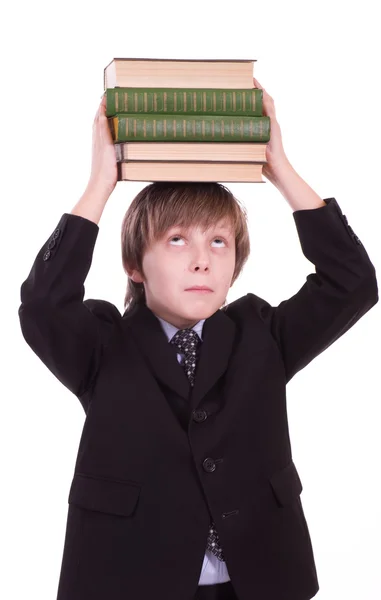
[170, 329]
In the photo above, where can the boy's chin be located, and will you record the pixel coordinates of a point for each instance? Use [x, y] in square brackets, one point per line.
[202, 308]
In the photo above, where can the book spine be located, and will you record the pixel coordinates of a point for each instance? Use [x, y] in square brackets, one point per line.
[184, 101]
[127, 127]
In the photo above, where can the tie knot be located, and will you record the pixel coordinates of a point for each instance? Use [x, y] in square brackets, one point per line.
[186, 340]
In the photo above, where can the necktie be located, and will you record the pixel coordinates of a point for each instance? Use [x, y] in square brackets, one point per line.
[187, 341]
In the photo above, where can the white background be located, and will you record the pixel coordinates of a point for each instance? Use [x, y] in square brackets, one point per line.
[320, 62]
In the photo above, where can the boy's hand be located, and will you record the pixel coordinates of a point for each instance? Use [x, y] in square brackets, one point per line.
[104, 173]
[275, 154]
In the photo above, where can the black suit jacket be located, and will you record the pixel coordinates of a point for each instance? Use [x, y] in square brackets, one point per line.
[157, 459]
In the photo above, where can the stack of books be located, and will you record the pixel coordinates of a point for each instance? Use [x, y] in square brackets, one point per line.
[186, 120]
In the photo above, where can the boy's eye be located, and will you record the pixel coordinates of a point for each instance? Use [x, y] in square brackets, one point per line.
[174, 237]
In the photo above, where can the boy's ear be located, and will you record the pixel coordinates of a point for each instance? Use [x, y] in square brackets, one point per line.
[135, 275]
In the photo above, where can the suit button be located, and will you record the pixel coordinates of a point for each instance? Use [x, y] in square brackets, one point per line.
[56, 233]
[52, 243]
[46, 255]
[199, 415]
[209, 465]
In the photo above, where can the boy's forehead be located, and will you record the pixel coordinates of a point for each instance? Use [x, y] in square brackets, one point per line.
[223, 225]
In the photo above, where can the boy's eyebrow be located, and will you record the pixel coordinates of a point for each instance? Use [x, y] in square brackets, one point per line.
[226, 229]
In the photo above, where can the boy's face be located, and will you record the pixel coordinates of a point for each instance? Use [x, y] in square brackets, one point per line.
[183, 259]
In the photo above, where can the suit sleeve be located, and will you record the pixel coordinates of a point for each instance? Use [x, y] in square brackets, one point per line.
[333, 298]
[67, 333]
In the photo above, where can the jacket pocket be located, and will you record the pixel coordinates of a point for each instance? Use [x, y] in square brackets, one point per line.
[286, 484]
[105, 495]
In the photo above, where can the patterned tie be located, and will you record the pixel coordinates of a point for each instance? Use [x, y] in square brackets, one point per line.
[187, 341]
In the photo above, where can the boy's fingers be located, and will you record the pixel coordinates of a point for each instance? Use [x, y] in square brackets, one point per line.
[101, 112]
[96, 116]
[257, 83]
[102, 107]
[265, 94]
[260, 86]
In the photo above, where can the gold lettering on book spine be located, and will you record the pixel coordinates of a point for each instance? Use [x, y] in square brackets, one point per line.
[204, 101]
[144, 128]
[145, 102]
[194, 102]
[251, 128]
[165, 101]
[174, 128]
[231, 128]
[253, 96]
[222, 129]
[135, 127]
[175, 101]
[234, 102]
[165, 127]
[154, 128]
[185, 101]
[184, 128]
[155, 102]
[116, 97]
[224, 101]
[244, 101]
[214, 102]
[125, 108]
[135, 102]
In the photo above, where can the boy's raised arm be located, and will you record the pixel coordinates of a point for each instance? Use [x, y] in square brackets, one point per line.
[333, 298]
[344, 285]
[90, 205]
[104, 174]
[67, 333]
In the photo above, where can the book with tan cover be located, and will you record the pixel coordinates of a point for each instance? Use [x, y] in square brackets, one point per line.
[190, 171]
[183, 73]
[184, 151]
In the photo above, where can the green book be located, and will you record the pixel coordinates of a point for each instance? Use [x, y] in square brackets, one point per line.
[126, 127]
[184, 101]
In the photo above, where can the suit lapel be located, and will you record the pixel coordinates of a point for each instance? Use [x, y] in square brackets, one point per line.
[217, 345]
[218, 336]
[153, 343]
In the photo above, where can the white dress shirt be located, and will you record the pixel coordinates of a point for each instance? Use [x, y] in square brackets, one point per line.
[213, 570]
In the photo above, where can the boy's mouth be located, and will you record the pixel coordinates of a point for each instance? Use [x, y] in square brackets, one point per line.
[199, 288]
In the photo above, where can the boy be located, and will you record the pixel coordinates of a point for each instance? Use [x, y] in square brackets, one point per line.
[184, 485]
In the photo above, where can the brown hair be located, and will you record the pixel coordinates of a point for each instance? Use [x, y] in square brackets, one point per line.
[161, 205]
